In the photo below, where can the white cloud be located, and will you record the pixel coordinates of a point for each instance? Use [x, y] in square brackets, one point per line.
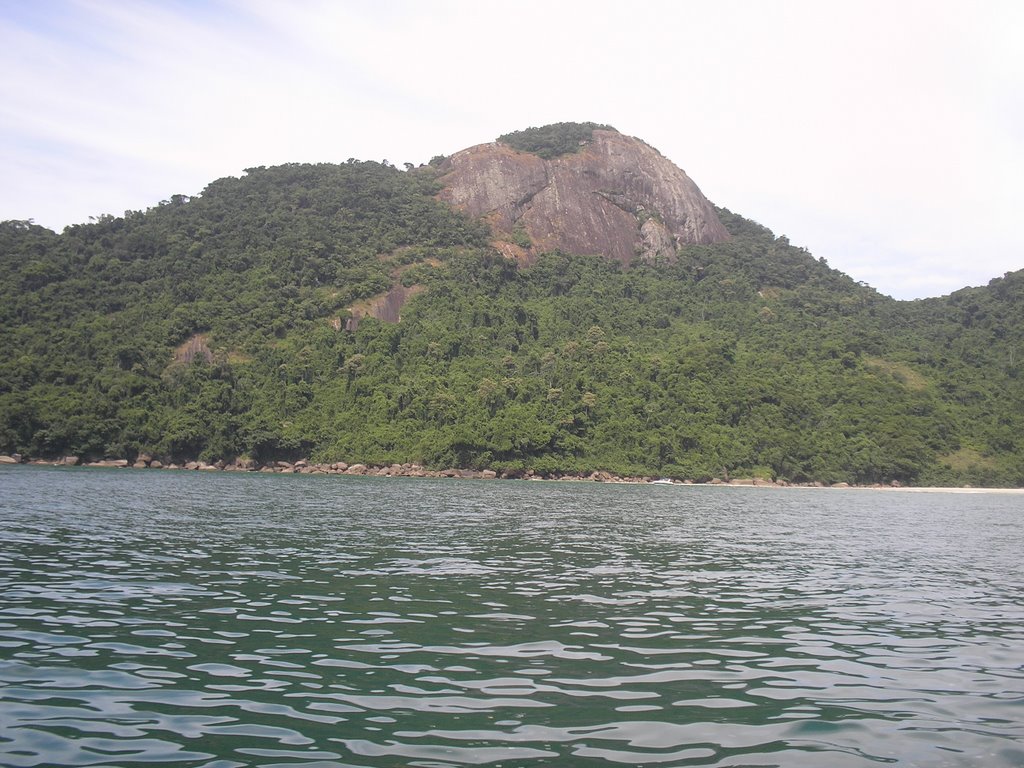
[884, 137]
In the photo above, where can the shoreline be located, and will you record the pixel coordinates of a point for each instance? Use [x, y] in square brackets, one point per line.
[302, 466]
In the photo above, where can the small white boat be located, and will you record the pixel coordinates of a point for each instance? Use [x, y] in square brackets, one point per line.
[662, 481]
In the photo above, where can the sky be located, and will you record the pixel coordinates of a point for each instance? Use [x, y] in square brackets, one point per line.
[885, 137]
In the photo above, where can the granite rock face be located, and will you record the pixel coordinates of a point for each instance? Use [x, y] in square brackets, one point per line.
[616, 196]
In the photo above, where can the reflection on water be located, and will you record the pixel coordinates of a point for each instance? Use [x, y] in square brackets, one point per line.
[226, 620]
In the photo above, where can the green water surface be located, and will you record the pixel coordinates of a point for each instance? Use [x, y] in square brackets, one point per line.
[232, 620]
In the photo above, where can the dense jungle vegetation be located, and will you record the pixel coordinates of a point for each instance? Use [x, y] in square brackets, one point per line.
[213, 327]
[550, 141]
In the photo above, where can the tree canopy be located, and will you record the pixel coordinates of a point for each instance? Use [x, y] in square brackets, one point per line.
[215, 327]
[553, 140]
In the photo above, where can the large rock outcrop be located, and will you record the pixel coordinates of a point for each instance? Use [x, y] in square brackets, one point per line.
[615, 196]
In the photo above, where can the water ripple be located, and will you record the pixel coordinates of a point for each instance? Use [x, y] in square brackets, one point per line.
[221, 621]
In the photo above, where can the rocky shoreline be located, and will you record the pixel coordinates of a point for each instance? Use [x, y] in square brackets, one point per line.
[304, 467]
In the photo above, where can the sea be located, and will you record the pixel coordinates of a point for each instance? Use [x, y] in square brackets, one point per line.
[230, 619]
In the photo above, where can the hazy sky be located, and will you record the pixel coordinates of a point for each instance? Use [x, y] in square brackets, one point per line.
[886, 137]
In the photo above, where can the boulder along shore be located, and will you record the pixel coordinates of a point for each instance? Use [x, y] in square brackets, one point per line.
[305, 467]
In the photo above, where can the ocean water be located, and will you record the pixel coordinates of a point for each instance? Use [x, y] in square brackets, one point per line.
[214, 619]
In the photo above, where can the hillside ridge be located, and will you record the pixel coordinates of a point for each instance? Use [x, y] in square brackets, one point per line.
[348, 313]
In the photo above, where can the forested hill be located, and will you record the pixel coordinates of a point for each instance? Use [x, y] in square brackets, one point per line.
[244, 322]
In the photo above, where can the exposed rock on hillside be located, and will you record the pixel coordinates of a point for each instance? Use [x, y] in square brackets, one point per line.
[616, 196]
[386, 307]
[193, 347]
